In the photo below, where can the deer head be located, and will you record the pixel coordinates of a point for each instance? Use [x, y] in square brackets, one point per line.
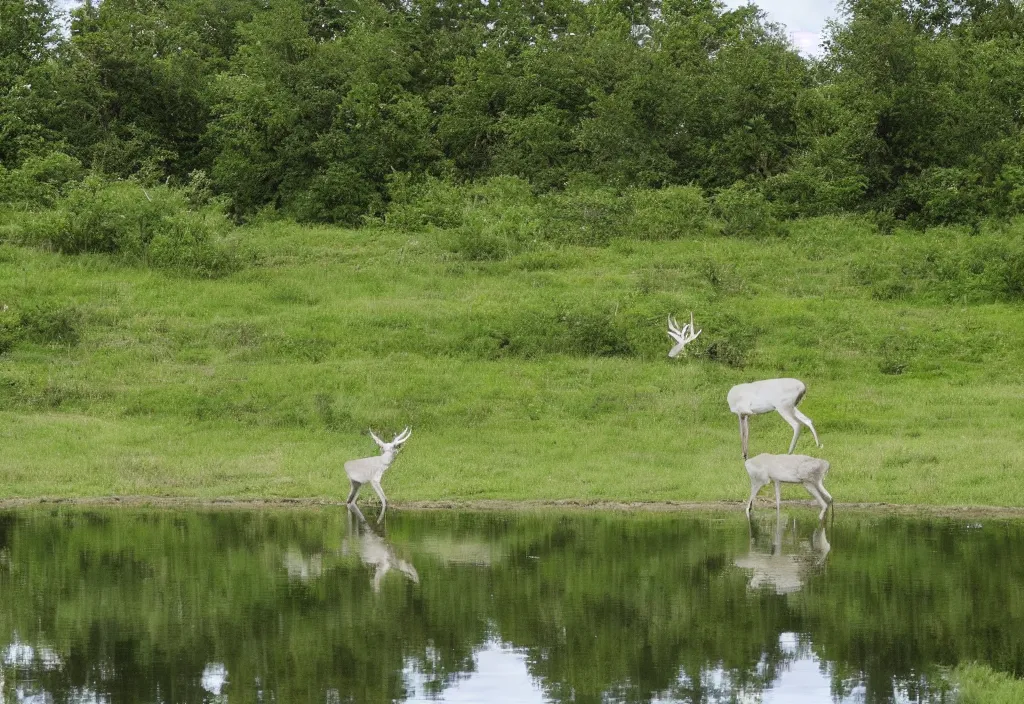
[683, 336]
[394, 445]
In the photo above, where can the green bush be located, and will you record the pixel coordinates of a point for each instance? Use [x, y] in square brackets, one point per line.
[745, 212]
[981, 268]
[729, 341]
[584, 216]
[895, 353]
[669, 213]
[416, 204]
[51, 324]
[40, 180]
[812, 190]
[941, 196]
[499, 220]
[980, 684]
[155, 225]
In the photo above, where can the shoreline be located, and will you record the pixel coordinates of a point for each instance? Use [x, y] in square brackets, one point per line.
[501, 505]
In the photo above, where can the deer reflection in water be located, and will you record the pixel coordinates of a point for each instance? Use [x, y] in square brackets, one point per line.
[374, 550]
[784, 572]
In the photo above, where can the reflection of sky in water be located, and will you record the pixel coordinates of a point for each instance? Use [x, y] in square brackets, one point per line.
[501, 676]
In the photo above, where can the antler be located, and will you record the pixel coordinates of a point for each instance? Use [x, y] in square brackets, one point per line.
[376, 439]
[403, 436]
[683, 336]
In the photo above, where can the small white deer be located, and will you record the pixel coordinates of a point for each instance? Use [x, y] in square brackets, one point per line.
[369, 470]
[768, 395]
[682, 335]
[788, 469]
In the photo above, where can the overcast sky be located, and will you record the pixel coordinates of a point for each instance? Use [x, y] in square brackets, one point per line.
[804, 19]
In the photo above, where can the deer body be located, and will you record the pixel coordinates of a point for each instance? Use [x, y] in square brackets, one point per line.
[369, 470]
[788, 469]
[759, 397]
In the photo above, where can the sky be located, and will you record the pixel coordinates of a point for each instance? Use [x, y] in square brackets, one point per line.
[804, 20]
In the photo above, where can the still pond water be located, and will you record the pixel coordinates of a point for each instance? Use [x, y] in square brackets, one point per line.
[121, 605]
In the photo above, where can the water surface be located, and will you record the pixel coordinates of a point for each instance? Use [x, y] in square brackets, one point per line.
[126, 605]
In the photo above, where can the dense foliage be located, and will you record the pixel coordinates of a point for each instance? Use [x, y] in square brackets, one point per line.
[330, 110]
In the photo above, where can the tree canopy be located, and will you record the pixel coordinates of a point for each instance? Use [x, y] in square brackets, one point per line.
[316, 107]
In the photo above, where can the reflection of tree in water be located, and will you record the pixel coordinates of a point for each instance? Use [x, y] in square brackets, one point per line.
[603, 606]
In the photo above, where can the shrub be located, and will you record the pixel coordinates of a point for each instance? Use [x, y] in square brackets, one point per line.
[942, 196]
[40, 180]
[895, 353]
[48, 324]
[669, 213]
[821, 182]
[745, 212]
[193, 242]
[154, 225]
[584, 216]
[416, 204]
[499, 220]
[980, 684]
[728, 342]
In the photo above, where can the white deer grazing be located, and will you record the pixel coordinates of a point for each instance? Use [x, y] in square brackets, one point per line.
[369, 470]
[788, 469]
[682, 335]
[780, 395]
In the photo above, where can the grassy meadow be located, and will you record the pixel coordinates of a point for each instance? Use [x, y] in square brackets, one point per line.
[542, 376]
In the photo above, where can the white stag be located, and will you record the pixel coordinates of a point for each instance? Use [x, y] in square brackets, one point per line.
[788, 469]
[369, 470]
[780, 395]
[682, 335]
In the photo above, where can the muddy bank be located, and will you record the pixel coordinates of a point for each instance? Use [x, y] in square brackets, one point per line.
[502, 505]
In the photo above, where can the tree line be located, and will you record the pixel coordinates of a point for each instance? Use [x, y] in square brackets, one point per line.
[332, 110]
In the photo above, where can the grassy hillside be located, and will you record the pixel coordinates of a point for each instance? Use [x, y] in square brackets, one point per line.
[543, 376]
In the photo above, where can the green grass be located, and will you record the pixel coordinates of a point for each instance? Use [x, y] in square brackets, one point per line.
[544, 376]
[980, 684]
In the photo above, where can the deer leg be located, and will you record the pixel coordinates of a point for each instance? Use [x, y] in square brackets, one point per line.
[354, 509]
[787, 414]
[754, 488]
[812, 488]
[383, 499]
[828, 497]
[744, 433]
[821, 489]
[778, 496]
[352, 494]
[807, 421]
